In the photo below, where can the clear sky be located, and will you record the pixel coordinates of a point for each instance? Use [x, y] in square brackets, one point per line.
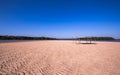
[60, 18]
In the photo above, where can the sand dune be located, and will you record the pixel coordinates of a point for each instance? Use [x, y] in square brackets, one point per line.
[59, 58]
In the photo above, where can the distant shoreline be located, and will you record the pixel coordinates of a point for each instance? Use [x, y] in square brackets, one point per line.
[7, 41]
[7, 38]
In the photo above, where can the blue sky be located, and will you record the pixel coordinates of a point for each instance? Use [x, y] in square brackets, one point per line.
[60, 18]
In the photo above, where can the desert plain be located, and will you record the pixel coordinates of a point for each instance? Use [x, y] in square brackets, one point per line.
[59, 58]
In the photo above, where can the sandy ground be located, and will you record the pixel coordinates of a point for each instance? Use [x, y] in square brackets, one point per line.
[59, 58]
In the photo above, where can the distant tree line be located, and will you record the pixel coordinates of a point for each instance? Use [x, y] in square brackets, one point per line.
[6, 37]
[24, 38]
[96, 38]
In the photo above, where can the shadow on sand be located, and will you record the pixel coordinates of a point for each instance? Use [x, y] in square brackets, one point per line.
[86, 43]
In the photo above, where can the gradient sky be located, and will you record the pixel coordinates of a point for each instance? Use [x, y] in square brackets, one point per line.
[60, 18]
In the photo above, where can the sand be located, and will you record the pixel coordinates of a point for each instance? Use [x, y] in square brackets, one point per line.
[59, 58]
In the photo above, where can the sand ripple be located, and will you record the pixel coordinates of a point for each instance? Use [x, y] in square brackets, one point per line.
[59, 58]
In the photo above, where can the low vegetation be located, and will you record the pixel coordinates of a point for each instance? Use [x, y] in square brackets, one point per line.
[49, 38]
[96, 38]
[25, 38]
